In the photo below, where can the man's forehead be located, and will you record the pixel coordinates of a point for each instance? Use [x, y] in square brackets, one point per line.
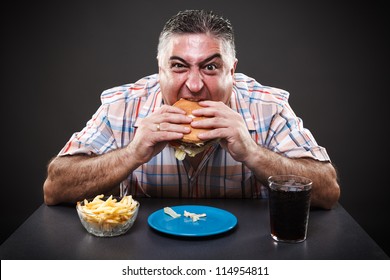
[195, 47]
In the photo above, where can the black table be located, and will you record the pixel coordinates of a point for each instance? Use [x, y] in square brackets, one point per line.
[55, 232]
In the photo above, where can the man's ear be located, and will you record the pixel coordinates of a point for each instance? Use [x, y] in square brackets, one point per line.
[233, 70]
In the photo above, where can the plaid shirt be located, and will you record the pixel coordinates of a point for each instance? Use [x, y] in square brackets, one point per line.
[265, 110]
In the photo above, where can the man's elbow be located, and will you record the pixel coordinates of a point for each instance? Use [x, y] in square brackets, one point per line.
[334, 186]
[332, 197]
[332, 189]
[326, 193]
[49, 197]
[53, 184]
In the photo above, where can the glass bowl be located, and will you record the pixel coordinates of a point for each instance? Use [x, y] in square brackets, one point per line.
[107, 216]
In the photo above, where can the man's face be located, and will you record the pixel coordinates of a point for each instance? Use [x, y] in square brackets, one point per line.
[195, 67]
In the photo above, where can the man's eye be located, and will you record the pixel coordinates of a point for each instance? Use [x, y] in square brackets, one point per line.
[177, 65]
[211, 67]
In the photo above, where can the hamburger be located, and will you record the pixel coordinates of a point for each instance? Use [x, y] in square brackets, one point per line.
[190, 144]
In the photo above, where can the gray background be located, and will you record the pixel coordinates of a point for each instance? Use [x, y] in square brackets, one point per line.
[57, 57]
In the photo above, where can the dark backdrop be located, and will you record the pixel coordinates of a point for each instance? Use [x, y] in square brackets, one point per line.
[56, 59]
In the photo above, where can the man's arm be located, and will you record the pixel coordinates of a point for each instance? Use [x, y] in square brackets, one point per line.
[235, 138]
[73, 178]
[325, 189]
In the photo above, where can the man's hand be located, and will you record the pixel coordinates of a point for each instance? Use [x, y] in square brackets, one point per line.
[155, 131]
[228, 126]
[231, 129]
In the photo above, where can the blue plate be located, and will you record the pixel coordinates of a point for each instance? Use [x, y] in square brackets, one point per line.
[216, 221]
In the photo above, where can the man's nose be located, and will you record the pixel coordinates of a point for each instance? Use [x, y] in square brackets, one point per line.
[194, 81]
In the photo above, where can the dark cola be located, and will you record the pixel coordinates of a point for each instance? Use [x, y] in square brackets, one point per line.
[289, 212]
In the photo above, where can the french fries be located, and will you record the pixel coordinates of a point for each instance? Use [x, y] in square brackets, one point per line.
[109, 211]
[195, 217]
[171, 212]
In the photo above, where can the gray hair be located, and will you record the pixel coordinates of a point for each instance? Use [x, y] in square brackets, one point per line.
[198, 22]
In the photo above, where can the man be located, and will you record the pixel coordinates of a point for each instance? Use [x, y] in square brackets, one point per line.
[126, 142]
